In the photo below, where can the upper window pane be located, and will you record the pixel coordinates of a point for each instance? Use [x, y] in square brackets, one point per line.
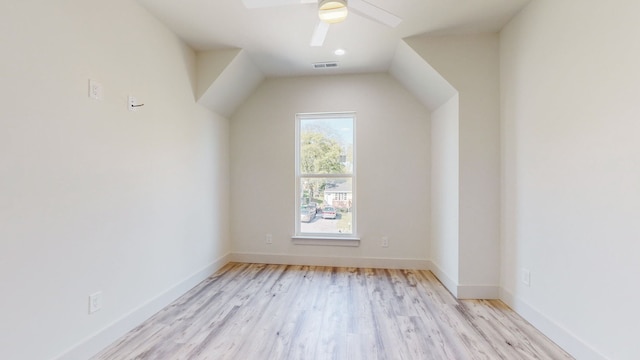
[326, 145]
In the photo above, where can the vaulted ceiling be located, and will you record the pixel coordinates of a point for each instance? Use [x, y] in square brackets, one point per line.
[277, 39]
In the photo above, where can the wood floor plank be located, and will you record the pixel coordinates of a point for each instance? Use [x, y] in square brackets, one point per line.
[303, 317]
[250, 307]
[258, 311]
[364, 325]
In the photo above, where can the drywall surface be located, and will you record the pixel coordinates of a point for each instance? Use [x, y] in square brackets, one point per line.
[225, 79]
[94, 197]
[420, 78]
[393, 156]
[210, 65]
[471, 64]
[445, 197]
[570, 110]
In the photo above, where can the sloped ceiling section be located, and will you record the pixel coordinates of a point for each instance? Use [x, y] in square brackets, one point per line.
[225, 79]
[420, 78]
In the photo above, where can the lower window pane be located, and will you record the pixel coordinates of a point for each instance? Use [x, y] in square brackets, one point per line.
[326, 206]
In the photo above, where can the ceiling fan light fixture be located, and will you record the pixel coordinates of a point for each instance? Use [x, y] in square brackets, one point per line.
[332, 11]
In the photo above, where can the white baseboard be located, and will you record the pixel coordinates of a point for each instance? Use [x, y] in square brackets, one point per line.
[448, 283]
[98, 341]
[568, 341]
[459, 291]
[103, 338]
[564, 338]
[465, 291]
[284, 259]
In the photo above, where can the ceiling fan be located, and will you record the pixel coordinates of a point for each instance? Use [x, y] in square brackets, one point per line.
[331, 12]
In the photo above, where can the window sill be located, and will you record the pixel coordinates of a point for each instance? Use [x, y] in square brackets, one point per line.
[326, 240]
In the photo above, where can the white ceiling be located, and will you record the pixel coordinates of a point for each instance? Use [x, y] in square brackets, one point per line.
[277, 38]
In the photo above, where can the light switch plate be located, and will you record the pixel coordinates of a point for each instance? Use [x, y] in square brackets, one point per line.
[526, 277]
[95, 302]
[131, 102]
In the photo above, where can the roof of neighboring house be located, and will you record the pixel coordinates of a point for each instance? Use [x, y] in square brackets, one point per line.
[340, 188]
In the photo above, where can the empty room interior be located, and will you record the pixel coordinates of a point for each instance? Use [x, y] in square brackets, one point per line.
[146, 145]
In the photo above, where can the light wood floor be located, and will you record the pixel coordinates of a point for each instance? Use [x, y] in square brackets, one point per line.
[256, 311]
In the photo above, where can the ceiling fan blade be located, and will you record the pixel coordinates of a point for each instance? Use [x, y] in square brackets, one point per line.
[256, 4]
[375, 13]
[317, 39]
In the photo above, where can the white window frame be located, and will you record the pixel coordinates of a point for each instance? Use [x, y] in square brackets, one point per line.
[325, 238]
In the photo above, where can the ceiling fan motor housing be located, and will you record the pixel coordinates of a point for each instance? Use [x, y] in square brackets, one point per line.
[332, 11]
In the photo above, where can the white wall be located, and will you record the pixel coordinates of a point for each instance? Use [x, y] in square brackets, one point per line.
[94, 197]
[570, 107]
[445, 198]
[471, 64]
[393, 147]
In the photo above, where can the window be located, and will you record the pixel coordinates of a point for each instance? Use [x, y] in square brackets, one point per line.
[325, 175]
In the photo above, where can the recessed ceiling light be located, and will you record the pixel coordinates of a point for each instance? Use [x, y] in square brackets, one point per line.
[340, 52]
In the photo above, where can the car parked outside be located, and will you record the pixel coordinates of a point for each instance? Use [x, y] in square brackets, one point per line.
[328, 212]
[307, 214]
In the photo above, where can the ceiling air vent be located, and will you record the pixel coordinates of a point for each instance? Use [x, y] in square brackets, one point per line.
[325, 65]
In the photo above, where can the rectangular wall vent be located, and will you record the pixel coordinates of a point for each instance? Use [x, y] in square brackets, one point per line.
[325, 65]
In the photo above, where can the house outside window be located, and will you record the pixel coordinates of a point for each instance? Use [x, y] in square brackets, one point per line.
[339, 197]
[325, 175]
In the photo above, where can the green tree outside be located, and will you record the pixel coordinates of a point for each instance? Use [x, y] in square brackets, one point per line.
[319, 154]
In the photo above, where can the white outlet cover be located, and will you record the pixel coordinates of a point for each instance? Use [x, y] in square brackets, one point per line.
[385, 241]
[95, 90]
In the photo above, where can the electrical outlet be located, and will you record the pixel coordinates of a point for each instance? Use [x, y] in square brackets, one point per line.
[269, 239]
[385, 241]
[95, 90]
[95, 302]
[526, 277]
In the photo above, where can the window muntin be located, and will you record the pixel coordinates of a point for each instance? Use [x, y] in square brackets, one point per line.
[325, 174]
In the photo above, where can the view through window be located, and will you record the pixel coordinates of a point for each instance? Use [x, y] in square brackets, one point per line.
[325, 172]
